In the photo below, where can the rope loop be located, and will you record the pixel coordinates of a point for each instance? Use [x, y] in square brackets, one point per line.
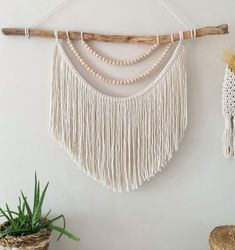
[82, 39]
[193, 33]
[158, 39]
[27, 32]
[67, 34]
[181, 35]
[56, 35]
[172, 38]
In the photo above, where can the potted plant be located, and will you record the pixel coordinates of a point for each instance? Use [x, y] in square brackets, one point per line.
[27, 228]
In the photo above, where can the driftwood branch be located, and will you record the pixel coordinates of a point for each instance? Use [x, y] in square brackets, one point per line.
[205, 31]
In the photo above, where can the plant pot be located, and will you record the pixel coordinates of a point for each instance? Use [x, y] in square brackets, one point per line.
[222, 238]
[37, 241]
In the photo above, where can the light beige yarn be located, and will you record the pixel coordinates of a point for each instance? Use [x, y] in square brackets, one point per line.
[119, 141]
[228, 102]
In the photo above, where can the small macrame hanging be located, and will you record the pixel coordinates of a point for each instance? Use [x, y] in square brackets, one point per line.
[119, 141]
[228, 102]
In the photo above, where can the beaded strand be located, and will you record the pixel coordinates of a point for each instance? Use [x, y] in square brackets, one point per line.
[112, 80]
[118, 62]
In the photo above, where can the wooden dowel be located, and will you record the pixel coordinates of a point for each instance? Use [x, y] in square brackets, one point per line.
[205, 31]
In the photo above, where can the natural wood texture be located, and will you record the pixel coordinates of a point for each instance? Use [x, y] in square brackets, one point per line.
[222, 238]
[205, 31]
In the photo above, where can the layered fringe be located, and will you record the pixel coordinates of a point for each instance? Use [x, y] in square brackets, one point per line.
[228, 102]
[120, 142]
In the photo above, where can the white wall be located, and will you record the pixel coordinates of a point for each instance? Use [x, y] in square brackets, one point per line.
[175, 210]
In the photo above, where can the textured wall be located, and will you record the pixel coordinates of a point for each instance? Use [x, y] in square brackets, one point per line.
[175, 210]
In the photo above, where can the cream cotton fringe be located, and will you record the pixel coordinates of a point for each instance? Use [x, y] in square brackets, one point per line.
[228, 102]
[120, 142]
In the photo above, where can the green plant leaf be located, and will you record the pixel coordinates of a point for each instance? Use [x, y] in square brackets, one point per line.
[27, 206]
[12, 220]
[55, 219]
[48, 213]
[5, 215]
[28, 220]
[20, 212]
[38, 209]
[64, 232]
[23, 208]
[49, 222]
[11, 212]
[2, 235]
[36, 193]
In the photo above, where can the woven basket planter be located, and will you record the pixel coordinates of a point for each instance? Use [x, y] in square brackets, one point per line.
[37, 241]
[222, 238]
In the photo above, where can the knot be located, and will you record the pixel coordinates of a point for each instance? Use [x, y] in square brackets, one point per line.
[193, 33]
[181, 35]
[56, 35]
[27, 32]
[158, 39]
[82, 37]
[172, 38]
[67, 34]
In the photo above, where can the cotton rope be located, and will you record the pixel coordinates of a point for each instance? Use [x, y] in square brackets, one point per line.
[228, 102]
[173, 14]
[61, 4]
[49, 13]
[119, 141]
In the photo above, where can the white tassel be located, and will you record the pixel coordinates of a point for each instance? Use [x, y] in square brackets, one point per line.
[228, 103]
[233, 136]
[228, 144]
[120, 142]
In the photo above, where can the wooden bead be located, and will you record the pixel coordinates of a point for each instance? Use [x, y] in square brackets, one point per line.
[120, 62]
[117, 62]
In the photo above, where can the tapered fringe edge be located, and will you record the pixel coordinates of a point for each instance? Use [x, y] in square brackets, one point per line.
[120, 142]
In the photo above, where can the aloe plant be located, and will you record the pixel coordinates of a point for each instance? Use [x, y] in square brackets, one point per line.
[28, 220]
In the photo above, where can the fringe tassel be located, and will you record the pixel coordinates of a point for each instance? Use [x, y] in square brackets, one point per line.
[228, 138]
[228, 104]
[120, 142]
[233, 135]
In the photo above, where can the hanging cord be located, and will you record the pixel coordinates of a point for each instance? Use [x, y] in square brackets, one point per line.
[64, 2]
[50, 13]
[173, 14]
[45, 17]
[179, 20]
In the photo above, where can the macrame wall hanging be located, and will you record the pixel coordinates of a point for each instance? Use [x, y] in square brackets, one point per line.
[119, 141]
[228, 102]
